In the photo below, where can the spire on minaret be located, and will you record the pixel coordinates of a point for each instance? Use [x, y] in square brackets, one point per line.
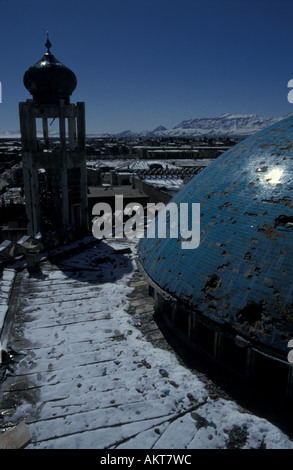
[48, 43]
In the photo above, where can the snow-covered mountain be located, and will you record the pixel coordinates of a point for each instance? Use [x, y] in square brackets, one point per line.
[9, 134]
[225, 125]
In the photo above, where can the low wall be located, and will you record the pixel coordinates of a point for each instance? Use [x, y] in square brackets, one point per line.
[155, 195]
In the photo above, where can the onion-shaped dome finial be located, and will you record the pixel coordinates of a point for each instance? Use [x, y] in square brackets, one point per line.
[48, 80]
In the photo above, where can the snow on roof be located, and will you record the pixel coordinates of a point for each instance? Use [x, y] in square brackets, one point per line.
[168, 183]
[99, 382]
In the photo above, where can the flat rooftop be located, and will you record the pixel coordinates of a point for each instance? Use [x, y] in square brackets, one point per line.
[111, 191]
[87, 373]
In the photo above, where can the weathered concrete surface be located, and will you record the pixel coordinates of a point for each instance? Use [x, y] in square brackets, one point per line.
[88, 376]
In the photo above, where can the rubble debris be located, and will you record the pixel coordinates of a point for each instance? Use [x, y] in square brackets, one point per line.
[15, 438]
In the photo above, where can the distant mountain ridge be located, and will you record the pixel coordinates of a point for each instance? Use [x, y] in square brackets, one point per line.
[226, 125]
[230, 125]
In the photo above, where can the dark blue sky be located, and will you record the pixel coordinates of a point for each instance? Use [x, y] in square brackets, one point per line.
[145, 63]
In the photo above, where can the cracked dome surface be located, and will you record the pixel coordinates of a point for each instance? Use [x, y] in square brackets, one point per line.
[241, 275]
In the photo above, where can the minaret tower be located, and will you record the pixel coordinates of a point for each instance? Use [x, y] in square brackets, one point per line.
[54, 169]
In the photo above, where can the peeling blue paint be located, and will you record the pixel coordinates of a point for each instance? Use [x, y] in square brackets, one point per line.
[242, 272]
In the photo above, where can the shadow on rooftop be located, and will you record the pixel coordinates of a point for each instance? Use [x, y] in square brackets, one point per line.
[227, 384]
[92, 261]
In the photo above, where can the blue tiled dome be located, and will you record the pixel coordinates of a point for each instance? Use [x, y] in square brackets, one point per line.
[241, 275]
